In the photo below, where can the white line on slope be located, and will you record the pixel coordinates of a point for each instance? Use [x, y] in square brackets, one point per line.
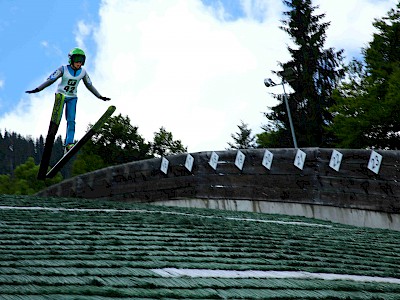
[278, 222]
[205, 273]
[157, 211]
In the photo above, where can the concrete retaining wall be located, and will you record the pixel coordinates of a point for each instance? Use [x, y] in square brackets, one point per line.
[361, 192]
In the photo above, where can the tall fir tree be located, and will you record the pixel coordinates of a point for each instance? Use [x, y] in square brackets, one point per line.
[312, 73]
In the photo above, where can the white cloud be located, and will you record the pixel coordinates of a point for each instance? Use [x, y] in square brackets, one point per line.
[258, 9]
[175, 64]
[351, 22]
[82, 32]
[31, 116]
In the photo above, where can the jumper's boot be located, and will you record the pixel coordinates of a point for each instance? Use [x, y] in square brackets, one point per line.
[68, 147]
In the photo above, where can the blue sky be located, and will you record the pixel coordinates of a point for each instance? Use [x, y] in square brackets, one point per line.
[194, 67]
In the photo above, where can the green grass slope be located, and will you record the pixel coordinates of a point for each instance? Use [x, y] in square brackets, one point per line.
[59, 248]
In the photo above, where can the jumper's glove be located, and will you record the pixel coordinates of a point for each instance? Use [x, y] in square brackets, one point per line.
[105, 98]
[33, 91]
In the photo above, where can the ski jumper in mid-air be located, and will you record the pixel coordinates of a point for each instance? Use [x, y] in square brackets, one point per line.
[70, 77]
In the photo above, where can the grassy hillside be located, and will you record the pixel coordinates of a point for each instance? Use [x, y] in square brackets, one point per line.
[58, 248]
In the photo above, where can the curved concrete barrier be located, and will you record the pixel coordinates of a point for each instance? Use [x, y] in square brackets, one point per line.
[357, 187]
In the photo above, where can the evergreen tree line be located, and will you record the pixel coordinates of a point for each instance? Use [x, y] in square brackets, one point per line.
[19, 163]
[117, 142]
[16, 149]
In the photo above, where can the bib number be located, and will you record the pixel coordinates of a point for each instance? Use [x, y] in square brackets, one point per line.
[71, 86]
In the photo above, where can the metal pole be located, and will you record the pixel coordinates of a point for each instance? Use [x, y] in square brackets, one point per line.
[289, 116]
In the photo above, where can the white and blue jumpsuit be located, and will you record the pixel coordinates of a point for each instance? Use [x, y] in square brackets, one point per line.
[68, 87]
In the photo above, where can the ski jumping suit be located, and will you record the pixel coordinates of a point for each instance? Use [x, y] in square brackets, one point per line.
[68, 87]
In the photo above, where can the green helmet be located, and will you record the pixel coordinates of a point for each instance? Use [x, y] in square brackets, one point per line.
[76, 55]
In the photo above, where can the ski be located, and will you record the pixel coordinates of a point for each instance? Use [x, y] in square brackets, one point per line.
[95, 128]
[51, 135]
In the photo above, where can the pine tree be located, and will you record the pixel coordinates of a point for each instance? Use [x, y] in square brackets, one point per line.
[312, 73]
[39, 146]
[243, 139]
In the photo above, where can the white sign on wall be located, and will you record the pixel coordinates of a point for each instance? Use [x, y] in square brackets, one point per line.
[164, 165]
[213, 160]
[336, 160]
[189, 162]
[300, 159]
[375, 161]
[239, 161]
[267, 159]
